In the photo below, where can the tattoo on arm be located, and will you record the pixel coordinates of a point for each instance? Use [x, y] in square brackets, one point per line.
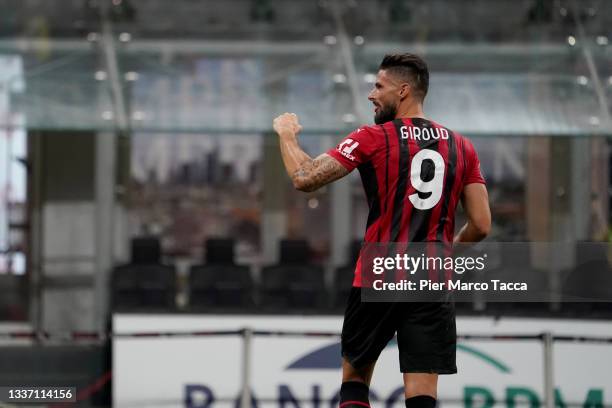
[315, 173]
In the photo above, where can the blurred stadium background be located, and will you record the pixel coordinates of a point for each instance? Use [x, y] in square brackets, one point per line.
[142, 190]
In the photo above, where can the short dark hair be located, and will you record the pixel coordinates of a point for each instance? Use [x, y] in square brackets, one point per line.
[409, 67]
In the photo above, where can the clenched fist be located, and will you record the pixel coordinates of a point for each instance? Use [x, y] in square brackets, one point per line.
[287, 124]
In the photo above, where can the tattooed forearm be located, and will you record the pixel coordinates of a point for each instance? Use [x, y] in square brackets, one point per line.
[315, 173]
[308, 174]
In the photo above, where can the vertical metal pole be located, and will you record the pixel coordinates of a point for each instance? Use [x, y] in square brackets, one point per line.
[104, 222]
[549, 384]
[348, 60]
[245, 397]
[6, 198]
[340, 214]
[36, 240]
[112, 65]
[600, 92]
[274, 217]
[341, 192]
[105, 176]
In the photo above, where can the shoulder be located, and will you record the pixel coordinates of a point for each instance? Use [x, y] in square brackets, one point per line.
[467, 147]
[462, 142]
[367, 134]
[368, 130]
[450, 131]
[372, 133]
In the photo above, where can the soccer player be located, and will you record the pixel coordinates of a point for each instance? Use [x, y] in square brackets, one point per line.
[414, 172]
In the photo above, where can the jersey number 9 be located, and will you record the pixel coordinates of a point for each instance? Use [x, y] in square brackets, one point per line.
[433, 186]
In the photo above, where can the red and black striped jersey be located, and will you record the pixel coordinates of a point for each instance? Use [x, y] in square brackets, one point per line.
[413, 173]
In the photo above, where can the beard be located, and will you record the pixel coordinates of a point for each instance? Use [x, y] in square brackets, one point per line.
[385, 114]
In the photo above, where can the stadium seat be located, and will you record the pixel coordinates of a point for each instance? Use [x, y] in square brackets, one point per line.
[591, 277]
[219, 251]
[219, 282]
[294, 282]
[516, 266]
[144, 282]
[13, 297]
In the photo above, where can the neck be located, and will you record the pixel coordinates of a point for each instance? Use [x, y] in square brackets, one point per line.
[411, 111]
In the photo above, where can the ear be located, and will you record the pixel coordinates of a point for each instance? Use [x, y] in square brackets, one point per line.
[404, 90]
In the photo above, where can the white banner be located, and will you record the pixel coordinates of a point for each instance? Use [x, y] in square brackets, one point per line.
[296, 372]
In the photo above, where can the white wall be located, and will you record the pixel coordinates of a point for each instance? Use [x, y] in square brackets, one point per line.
[160, 369]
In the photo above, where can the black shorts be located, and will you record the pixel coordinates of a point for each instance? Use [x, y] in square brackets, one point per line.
[426, 334]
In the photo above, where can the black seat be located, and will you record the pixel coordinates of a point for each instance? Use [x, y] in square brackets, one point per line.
[219, 282]
[516, 266]
[13, 297]
[145, 281]
[590, 279]
[219, 251]
[294, 282]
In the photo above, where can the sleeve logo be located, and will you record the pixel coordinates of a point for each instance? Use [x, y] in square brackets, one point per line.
[346, 148]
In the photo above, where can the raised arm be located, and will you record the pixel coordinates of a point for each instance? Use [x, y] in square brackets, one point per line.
[475, 200]
[307, 174]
